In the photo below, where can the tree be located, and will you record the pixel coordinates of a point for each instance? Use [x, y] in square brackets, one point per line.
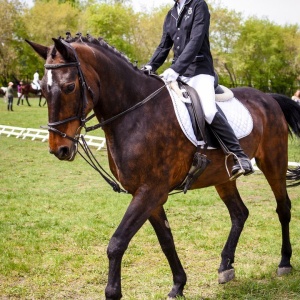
[11, 28]
[264, 56]
[224, 32]
[46, 20]
[114, 23]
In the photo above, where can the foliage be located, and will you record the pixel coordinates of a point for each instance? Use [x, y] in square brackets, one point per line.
[11, 30]
[264, 56]
[41, 26]
[115, 23]
[224, 33]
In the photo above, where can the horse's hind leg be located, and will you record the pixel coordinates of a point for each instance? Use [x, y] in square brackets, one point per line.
[238, 214]
[161, 226]
[275, 172]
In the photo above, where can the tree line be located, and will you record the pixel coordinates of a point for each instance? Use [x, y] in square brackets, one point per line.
[247, 52]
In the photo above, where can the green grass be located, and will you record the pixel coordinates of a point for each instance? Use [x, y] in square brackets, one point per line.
[56, 220]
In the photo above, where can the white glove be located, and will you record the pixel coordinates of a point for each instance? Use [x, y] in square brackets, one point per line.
[147, 68]
[169, 75]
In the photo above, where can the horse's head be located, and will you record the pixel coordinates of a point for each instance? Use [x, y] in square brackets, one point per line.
[64, 87]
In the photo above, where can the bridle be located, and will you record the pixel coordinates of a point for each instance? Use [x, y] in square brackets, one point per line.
[91, 160]
[83, 95]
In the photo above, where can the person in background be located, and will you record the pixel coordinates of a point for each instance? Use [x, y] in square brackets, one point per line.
[36, 79]
[19, 90]
[296, 97]
[186, 30]
[10, 96]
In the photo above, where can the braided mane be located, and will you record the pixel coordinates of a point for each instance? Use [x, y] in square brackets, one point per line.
[96, 41]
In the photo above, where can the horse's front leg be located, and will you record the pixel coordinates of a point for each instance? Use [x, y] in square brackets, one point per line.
[159, 221]
[238, 214]
[139, 210]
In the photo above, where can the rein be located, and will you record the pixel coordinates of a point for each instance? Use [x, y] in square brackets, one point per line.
[90, 158]
[139, 104]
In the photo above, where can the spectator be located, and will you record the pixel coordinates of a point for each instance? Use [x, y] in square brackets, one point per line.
[10, 96]
[20, 95]
[296, 97]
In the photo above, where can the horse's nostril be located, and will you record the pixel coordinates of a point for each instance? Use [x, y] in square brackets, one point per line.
[63, 151]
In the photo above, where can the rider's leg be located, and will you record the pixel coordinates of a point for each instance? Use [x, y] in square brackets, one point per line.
[204, 85]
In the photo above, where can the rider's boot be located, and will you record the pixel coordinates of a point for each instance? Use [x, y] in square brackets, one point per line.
[242, 163]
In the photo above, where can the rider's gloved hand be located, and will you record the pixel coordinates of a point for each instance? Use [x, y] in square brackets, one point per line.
[147, 69]
[169, 75]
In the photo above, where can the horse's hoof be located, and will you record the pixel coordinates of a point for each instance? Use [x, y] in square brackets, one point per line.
[226, 276]
[284, 271]
[177, 297]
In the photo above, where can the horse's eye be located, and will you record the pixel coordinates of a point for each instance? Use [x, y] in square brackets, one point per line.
[69, 88]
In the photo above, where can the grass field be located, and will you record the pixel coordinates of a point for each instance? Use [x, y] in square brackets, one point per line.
[56, 219]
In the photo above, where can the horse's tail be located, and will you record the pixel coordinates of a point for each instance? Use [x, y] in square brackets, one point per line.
[291, 111]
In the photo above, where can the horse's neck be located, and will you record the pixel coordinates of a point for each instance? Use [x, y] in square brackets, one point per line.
[129, 88]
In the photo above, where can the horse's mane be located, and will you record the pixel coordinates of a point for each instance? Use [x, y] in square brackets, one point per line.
[94, 41]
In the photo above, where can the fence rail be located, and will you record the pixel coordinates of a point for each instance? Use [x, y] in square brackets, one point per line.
[91, 140]
[43, 135]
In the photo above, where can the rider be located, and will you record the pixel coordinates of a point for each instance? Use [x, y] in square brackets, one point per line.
[36, 80]
[186, 29]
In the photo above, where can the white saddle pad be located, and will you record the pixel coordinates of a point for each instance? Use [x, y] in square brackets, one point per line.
[34, 86]
[237, 114]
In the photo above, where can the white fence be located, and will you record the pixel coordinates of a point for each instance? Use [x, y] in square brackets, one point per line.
[91, 140]
[43, 135]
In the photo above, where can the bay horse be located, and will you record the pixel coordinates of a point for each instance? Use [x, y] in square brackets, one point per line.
[149, 154]
[26, 89]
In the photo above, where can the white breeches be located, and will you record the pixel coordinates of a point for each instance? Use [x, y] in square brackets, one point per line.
[204, 85]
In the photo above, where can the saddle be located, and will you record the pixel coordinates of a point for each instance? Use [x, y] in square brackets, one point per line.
[200, 127]
[193, 104]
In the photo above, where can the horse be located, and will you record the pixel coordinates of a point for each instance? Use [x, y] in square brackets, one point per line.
[148, 153]
[3, 91]
[26, 89]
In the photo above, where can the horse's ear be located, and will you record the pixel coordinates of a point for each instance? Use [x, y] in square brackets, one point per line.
[66, 52]
[39, 49]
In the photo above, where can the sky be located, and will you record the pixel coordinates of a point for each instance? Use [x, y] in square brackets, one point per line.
[280, 12]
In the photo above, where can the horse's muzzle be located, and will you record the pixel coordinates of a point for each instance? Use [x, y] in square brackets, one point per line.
[65, 152]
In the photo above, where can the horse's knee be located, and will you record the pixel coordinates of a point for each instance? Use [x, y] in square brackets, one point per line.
[116, 248]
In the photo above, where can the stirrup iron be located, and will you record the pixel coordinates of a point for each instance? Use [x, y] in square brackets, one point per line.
[240, 172]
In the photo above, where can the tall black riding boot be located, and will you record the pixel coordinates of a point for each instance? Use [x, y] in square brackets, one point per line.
[242, 163]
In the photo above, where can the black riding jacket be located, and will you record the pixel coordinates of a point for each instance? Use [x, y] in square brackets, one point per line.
[188, 34]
